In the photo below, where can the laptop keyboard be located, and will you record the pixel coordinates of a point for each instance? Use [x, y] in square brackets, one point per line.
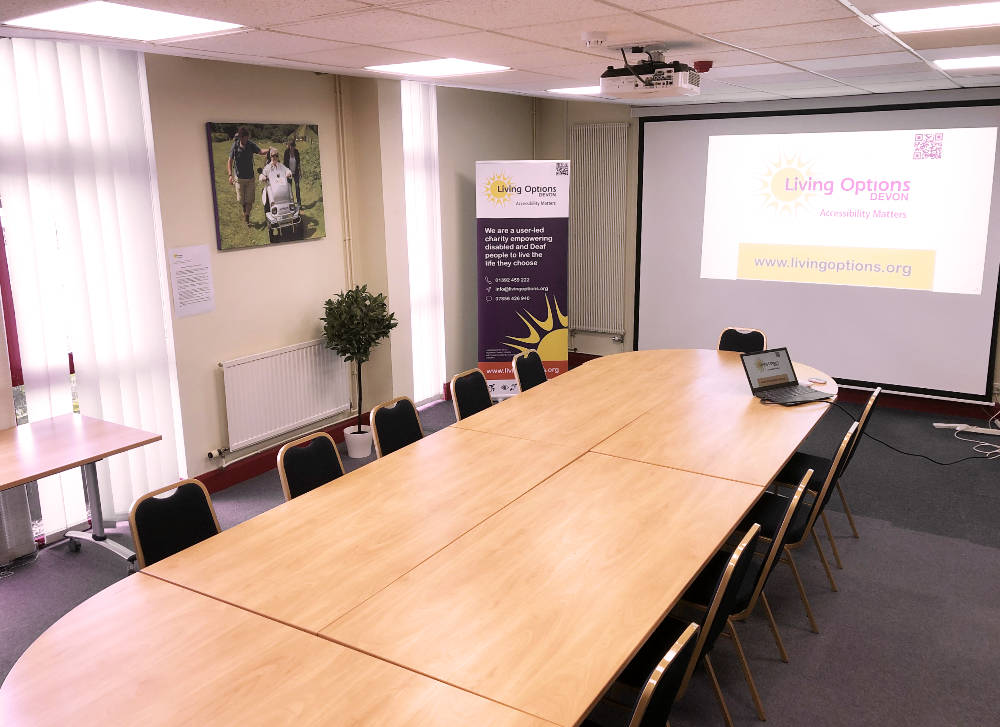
[793, 393]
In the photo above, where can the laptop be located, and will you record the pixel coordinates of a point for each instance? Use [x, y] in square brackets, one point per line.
[772, 378]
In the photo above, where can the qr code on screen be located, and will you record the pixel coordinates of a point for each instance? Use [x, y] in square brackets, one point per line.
[562, 169]
[927, 146]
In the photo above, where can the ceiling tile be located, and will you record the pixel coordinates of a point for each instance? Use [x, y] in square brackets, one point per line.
[899, 86]
[741, 14]
[479, 46]
[722, 58]
[357, 56]
[759, 69]
[824, 92]
[869, 60]
[258, 43]
[621, 28]
[806, 51]
[952, 38]
[252, 13]
[558, 62]
[826, 30]
[524, 80]
[496, 14]
[968, 51]
[374, 27]
[977, 81]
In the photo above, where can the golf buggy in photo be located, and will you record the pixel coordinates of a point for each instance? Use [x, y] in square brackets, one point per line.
[284, 222]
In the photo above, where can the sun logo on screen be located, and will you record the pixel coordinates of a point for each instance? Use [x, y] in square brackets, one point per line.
[498, 189]
[548, 336]
[784, 186]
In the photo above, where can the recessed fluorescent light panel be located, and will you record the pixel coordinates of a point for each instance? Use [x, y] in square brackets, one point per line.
[439, 68]
[944, 18]
[110, 20]
[578, 91]
[958, 64]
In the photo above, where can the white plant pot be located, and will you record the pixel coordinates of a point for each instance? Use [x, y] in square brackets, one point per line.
[359, 446]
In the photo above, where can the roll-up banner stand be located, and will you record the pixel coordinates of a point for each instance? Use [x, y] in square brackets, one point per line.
[522, 232]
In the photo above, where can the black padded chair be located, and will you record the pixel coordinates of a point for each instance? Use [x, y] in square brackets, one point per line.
[652, 705]
[742, 340]
[713, 621]
[395, 424]
[470, 393]
[308, 462]
[528, 370]
[771, 507]
[801, 461]
[700, 592]
[162, 526]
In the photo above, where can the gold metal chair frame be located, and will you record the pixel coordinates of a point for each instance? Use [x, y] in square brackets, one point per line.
[296, 443]
[647, 692]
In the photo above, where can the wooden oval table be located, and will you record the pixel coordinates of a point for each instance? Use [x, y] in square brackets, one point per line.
[501, 571]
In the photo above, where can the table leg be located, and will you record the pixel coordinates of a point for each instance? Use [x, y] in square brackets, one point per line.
[96, 517]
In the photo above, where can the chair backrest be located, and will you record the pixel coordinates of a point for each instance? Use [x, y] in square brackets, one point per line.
[395, 424]
[308, 462]
[162, 526]
[722, 605]
[470, 393]
[866, 415]
[746, 604]
[657, 697]
[742, 340]
[825, 490]
[528, 370]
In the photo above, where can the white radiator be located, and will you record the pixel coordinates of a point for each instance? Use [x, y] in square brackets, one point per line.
[597, 228]
[274, 392]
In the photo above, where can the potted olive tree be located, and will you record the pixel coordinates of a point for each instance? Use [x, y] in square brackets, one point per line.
[355, 321]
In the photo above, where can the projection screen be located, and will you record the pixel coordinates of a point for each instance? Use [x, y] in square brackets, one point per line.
[864, 241]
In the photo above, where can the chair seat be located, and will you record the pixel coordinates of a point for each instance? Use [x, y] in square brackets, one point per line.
[799, 464]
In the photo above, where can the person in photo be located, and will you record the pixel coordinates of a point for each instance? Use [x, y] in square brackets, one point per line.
[293, 162]
[239, 166]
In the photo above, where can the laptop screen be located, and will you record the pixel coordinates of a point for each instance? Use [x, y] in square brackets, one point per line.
[768, 369]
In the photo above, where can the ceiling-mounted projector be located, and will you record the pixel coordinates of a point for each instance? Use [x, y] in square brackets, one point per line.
[652, 78]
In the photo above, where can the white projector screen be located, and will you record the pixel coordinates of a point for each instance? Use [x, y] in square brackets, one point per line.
[864, 241]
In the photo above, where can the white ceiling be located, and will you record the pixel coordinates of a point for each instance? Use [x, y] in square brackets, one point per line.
[762, 49]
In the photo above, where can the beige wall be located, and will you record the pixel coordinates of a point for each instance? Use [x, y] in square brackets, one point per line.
[264, 298]
[472, 126]
[554, 121]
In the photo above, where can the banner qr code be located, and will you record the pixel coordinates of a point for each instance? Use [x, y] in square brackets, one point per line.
[562, 169]
[927, 146]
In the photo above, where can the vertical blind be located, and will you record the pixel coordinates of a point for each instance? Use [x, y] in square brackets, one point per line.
[81, 217]
[423, 233]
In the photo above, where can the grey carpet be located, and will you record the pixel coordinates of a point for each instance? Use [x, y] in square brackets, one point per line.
[911, 638]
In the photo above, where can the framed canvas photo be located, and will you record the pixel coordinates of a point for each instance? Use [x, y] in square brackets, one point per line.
[266, 183]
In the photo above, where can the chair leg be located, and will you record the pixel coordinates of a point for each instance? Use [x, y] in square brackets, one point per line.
[758, 705]
[718, 692]
[847, 509]
[826, 563]
[802, 590]
[833, 543]
[774, 627]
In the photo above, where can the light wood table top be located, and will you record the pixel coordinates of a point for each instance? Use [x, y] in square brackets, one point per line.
[712, 425]
[35, 450]
[541, 606]
[308, 561]
[145, 652]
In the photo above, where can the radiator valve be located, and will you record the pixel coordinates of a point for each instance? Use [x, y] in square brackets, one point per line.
[218, 453]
